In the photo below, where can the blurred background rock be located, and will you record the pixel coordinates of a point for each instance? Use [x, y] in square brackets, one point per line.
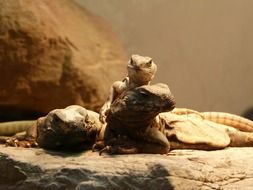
[203, 48]
[54, 54]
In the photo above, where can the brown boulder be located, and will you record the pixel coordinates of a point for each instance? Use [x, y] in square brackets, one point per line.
[53, 54]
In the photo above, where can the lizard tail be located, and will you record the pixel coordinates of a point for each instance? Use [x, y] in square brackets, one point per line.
[13, 127]
[228, 119]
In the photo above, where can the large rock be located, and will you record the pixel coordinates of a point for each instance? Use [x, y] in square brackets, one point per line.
[23, 169]
[53, 54]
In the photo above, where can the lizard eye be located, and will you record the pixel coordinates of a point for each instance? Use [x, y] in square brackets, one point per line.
[149, 63]
[143, 94]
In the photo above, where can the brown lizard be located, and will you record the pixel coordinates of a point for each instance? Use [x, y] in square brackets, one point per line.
[71, 128]
[141, 70]
[205, 130]
[232, 120]
[133, 127]
[131, 121]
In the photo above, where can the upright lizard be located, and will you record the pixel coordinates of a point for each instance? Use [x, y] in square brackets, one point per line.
[141, 70]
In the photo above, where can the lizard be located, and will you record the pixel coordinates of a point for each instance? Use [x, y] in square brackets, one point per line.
[73, 127]
[131, 119]
[139, 123]
[140, 71]
[206, 130]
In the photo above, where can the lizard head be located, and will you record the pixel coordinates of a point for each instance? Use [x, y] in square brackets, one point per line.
[66, 128]
[143, 103]
[141, 70]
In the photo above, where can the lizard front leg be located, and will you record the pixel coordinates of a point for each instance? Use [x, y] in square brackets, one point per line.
[125, 145]
[108, 141]
[25, 140]
[150, 141]
[154, 141]
[117, 88]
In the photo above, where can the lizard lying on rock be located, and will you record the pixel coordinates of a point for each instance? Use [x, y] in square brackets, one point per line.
[132, 125]
[232, 120]
[72, 127]
[197, 131]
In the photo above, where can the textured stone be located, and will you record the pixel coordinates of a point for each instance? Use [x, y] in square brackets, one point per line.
[230, 168]
[54, 54]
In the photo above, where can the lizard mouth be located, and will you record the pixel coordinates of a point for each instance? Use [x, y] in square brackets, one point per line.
[138, 69]
[133, 67]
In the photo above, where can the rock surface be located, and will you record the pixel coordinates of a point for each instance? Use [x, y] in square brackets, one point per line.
[231, 168]
[54, 54]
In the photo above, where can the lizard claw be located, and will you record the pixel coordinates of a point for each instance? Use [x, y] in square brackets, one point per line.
[28, 145]
[94, 147]
[36, 144]
[11, 142]
[98, 146]
[23, 143]
[16, 143]
[106, 149]
[102, 119]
